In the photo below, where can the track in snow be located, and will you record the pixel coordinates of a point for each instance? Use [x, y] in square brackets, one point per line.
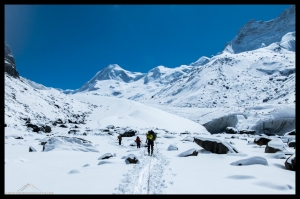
[145, 177]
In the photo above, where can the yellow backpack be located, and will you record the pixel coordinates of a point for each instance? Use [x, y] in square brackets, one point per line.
[151, 135]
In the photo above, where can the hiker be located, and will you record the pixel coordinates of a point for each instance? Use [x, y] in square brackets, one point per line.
[138, 142]
[151, 136]
[120, 139]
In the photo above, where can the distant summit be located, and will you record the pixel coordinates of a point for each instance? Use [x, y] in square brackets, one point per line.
[115, 72]
[164, 75]
[111, 72]
[257, 34]
[200, 62]
[257, 66]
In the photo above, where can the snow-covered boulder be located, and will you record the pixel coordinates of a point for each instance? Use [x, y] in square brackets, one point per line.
[215, 145]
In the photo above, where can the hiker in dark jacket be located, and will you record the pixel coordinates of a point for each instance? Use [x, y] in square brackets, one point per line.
[120, 139]
[138, 142]
[151, 136]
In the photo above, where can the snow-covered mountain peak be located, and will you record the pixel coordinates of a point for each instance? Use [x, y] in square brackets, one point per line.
[257, 34]
[111, 72]
[114, 67]
[157, 71]
[201, 61]
[164, 75]
[287, 43]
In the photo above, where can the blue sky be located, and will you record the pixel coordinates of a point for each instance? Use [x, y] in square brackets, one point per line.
[64, 46]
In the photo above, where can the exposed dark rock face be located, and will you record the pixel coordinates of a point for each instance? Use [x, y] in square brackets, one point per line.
[35, 128]
[231, 130]
[262, 141]
[290, 163]
[132, 161]
[212, 146]
[47, 129]
[246, 131]
[292, 144]
[58, 121]
[31, 149]
[129, 133]
[269, 149]
[73, 131]
[9, 63]
[293, 132]
[106, 157]
[275, 145]
[195, 153]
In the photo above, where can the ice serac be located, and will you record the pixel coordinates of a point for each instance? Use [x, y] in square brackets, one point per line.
[257, 34]
[9, 63]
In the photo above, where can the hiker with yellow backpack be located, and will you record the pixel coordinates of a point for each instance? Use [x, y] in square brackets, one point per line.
[150, 138]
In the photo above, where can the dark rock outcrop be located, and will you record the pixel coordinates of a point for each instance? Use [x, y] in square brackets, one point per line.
[132, 161]
[47, 129]
[9, 63]
[31, 149]
[262, 141]
[292, 144]
[293, 132]
[129, 133]
[290, 163]
[231, 130]
[34, 127]
[246, 131]
[106, 156]
[217, 147]
[275, 145]
[73, 131]
[58, 121]
[270, 149]
[195, 153]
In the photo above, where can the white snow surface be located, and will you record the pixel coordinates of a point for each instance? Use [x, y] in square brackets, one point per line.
[71, 164]
[252, 79]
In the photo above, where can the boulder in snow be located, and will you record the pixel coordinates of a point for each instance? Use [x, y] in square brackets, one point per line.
[215, 145]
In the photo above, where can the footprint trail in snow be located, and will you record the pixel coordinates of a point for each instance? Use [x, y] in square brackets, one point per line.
[145, 177]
